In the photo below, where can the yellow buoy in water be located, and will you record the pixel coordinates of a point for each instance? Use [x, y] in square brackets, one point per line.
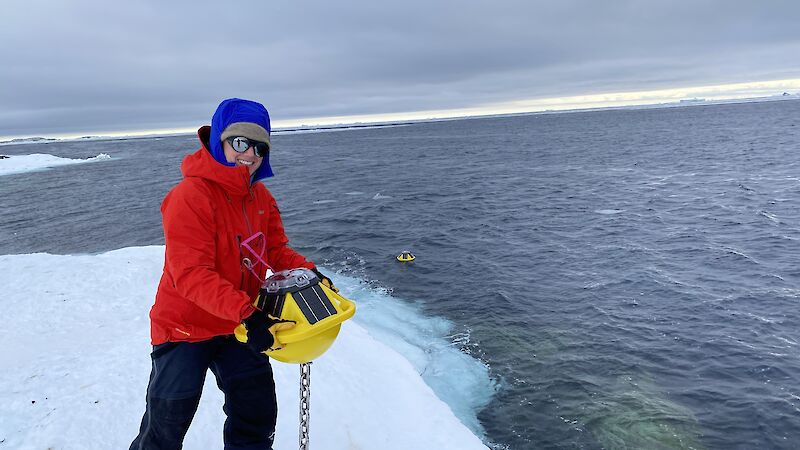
[318, 311]
[406, 257]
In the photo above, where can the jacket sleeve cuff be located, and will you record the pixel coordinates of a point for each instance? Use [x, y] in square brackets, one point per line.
[247, 311]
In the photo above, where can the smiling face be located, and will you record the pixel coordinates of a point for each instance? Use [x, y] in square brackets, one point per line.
[248, 158]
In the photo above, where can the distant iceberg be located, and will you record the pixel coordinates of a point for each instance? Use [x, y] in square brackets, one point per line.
[29, 140]
[39, 161]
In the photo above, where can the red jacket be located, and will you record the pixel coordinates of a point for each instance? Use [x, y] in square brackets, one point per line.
[206, 290]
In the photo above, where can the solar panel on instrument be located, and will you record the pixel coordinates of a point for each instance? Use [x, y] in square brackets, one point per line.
[314, 304]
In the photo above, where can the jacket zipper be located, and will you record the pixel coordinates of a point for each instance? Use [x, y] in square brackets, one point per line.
[241, 262]
[247, 223]
[246, 219]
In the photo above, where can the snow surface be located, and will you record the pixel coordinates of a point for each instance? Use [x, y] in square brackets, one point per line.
[40, 161]
[74, 359]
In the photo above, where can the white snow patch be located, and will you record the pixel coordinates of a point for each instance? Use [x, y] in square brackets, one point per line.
[74, 359]
[609, 211]
[40, 161]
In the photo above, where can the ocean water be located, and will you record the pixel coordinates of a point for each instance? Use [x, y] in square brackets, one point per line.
[607, 279]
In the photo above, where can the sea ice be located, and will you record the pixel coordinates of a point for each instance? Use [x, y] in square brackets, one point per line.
[40, 161]
[74, 358]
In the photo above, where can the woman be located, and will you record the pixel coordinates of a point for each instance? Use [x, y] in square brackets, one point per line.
[222, 231]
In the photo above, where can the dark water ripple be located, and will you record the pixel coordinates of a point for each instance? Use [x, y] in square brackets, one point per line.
[631, 277]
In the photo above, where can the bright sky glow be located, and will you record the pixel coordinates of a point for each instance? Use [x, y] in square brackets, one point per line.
[732, 91]
[612, 99]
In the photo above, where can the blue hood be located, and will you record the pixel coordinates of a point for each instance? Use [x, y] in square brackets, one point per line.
[235, 110]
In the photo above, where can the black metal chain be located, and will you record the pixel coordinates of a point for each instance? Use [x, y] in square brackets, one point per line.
[305, 398]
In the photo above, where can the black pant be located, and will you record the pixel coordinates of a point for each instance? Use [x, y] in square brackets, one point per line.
[176, 382]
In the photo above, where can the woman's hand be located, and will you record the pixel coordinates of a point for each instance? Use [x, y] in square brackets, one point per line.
[260, 331]
[325, 280]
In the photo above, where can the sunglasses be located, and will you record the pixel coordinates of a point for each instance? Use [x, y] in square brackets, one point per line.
[240, 144]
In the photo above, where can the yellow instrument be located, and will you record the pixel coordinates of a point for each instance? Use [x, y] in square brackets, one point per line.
[318, 311]
[406, 257]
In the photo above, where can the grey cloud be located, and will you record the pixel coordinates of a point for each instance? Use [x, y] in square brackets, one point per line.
[85, 65]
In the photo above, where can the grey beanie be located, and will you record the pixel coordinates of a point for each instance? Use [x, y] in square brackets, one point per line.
[249, 130]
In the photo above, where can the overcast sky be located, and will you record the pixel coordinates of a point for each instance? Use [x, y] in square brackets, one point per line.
[85, 66]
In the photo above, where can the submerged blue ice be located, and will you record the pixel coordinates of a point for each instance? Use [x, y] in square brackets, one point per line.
[457, 378]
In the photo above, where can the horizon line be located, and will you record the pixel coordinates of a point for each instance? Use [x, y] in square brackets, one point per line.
[696, 95]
